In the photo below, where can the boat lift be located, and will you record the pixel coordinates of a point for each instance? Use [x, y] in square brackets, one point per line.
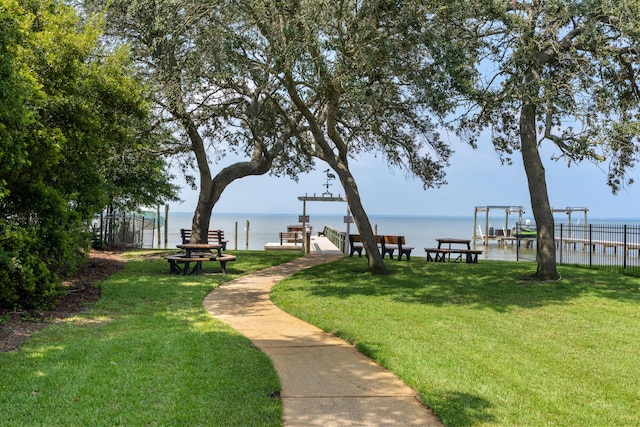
[486, 209]
[510, 210]
[569, 210]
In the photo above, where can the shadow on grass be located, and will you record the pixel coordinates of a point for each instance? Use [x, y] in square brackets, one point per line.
[152, 346]
[495, 285]
[132, 371]
[461, 409]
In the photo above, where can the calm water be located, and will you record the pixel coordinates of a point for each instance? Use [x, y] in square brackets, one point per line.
[253, 231]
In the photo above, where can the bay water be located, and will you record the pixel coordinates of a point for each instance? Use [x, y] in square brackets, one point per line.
[253, 230]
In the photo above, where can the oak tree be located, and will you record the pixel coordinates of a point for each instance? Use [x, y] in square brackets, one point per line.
[213, 104]
[557, 72]
[366, 76]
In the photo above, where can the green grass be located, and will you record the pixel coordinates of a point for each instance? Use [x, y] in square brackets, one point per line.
[480, 344]
[147, 354]
[484, 346]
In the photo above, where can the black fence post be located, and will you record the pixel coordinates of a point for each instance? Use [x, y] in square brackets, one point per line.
[624, 248]
[517, 241]
[591, 248]
[560, 242]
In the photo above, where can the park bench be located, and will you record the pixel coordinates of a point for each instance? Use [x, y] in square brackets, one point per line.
[441, 255]
[290, 237]
[391, 243]
[213, 236]
[355, 244]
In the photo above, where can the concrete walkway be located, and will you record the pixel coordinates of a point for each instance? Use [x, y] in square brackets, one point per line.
[325, 381]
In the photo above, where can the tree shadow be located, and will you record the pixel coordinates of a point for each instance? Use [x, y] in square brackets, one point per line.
[472, 285]
[461, 409]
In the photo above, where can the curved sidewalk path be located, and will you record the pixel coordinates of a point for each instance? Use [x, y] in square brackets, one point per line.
[325, 381]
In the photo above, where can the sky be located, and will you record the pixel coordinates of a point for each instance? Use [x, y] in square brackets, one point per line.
[475, 178]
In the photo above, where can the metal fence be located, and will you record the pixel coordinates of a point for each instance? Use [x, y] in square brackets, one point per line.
[124, 229]
[611, 247]
[614, 247]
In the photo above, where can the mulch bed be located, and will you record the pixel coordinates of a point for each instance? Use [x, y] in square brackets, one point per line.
[80, 293]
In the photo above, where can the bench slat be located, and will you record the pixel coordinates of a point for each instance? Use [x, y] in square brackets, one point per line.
[213, 236]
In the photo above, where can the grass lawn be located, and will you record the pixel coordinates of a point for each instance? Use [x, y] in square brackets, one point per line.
[484, 346]
[147, 354]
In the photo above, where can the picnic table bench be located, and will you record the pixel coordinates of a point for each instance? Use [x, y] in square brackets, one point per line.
[213, 236]
[441, 254]
[197, 253]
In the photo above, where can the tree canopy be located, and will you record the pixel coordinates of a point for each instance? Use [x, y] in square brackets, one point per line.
[290, 82]
[214, 103]
[373, 76]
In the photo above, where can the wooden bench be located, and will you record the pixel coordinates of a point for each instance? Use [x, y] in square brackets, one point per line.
[440, 255]
[290, 236]
[393, 242]
[213, 236]
[176, 260]
[355, 244]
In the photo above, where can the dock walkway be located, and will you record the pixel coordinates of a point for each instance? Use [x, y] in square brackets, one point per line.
[319, 245]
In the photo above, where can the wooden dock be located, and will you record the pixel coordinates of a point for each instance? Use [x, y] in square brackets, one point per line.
[573, 242]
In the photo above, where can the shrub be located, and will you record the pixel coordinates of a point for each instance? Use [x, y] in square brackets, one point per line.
[34, 259]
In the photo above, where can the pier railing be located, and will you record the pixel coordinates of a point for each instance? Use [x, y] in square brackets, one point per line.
[337, 237]
[614, 247]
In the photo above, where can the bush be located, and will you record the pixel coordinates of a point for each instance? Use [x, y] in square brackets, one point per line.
[33, 260]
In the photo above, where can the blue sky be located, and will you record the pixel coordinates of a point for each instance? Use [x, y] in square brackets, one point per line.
[475, 178]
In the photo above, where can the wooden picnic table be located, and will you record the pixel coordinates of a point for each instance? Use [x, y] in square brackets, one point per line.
[440, 253]
[198, 253]
[449, 241]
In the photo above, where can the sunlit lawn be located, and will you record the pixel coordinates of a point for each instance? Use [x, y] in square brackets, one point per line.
[482, 345]
[146, 355]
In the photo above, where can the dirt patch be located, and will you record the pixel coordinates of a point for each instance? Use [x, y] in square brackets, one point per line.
[80, 292]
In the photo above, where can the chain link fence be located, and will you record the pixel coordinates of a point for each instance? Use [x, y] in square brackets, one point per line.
[125, 230]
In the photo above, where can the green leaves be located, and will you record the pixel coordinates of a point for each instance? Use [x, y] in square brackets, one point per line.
[576, 62]
[76, 133]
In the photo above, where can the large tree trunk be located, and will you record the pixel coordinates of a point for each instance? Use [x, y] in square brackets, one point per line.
[202, 214]
[543, 216]
[361, 219]
[338, 162]
[212, 189]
